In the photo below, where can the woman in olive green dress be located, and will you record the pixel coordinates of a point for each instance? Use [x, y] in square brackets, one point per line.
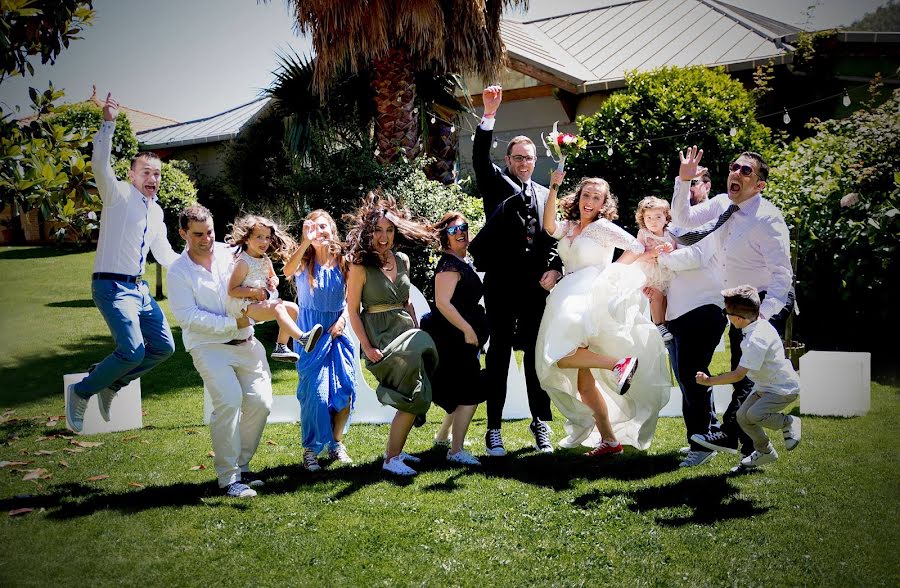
[400, 356]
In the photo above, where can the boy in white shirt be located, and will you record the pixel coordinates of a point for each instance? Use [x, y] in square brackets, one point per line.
[775, 383]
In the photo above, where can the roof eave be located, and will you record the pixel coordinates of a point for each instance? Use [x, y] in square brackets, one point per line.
[188, 142]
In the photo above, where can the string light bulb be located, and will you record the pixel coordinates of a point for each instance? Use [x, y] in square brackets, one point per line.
[494, 144]
[846, 99]
[433, 120]
[609, 151]
[452, 128]
[733, 132]
[787, 117]
[416, 110]
[472, 137]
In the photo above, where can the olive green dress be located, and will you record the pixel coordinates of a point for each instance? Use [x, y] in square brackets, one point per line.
[410, 355]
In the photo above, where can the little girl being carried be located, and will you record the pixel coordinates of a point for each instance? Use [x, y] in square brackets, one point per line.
[252, 288]
[653, 216]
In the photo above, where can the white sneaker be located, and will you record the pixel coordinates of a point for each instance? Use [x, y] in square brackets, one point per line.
[493, 443]
[311, 461]
[624, 371]
[696, 458]
[104, 401]
[464, 457]
[666, 335]
[684, 450]
[757, 458]
[75, 407]
[791, 433]
[338, 452]
[396, 466]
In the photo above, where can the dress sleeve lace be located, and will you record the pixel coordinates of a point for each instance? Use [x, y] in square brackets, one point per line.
[447, 263]
[562, 229]
[609, 235]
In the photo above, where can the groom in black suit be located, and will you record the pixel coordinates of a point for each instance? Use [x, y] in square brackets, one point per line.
[521, 266]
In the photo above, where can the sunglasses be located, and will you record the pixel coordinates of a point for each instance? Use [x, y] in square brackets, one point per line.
[521, 158]
[695, 182]
[463, 228]
[745, 170]
[727, 314]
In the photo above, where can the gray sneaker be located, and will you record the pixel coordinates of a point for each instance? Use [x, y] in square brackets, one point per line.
[696, 458]
[104, 401]
[791, 433]
[75, 407]
[493, 443]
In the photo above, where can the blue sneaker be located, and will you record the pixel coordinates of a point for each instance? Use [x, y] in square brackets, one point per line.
[75, 407]
[239, 490]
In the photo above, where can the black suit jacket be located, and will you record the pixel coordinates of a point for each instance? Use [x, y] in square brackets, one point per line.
[502, 246]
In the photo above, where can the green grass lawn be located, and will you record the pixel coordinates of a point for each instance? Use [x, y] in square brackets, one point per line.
[825, 514]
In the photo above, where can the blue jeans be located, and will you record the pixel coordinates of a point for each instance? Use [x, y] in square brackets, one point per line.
[140, 330]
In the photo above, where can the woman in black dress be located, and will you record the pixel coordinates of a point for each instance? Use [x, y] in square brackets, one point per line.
[459, 329]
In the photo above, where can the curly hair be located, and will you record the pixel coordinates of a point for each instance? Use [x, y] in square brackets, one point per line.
[650, 203]
[361, 236]
[335, 248]
[440, 227]
[282, 245]
[610, 210]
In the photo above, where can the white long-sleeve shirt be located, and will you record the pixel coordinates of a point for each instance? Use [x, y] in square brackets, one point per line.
[197, 299]
[125, 215]
[752, 247]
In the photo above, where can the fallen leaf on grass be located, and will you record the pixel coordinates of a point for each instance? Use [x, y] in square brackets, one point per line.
[211, 454]
[136, 485]
[44, 452]
[34, 474]
[270, 442]
[143, 413]
[73, 449]
[51, 423]
[86, 443]
[6, 464]
[20, 511]
[145, 442]
[198, 467]
[130, 438]
[190, 431]
[63, 463]
[47, 438]
[96, 478]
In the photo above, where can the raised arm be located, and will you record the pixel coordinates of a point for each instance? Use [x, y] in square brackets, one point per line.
[100, 160]
[293, 264]
[683, 214]
[486, 173]
[549, 220]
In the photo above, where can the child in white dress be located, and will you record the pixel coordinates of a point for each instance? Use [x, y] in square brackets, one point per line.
[653, 216]
[252, 288]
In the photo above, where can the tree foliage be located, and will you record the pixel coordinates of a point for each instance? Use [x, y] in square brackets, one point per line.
[840, 192]
[884, 18]
[39, 27]
[657, 114]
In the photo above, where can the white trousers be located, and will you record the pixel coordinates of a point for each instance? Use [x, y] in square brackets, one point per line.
[240, 387]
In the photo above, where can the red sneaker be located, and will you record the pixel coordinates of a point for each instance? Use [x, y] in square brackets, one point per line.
[624, 371]
[605, 449]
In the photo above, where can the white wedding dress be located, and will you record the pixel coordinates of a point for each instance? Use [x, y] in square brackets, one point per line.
[598, 305]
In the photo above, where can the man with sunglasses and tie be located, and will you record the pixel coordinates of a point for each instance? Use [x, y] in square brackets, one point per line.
[748, 243]
[131, 225]
[521, 267]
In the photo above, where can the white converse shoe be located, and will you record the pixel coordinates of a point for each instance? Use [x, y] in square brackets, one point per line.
[696, 458]
[396, 466]
[75, 407]
[758, 458]
[464, 457]
[104, 401]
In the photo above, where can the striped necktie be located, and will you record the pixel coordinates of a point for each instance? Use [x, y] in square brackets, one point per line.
[694, 236]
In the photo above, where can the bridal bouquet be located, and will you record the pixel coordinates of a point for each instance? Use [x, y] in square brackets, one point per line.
[562, 145]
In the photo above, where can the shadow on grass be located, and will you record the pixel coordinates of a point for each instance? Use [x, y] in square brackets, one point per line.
[83, 303]
[37, 252]
[711, 498]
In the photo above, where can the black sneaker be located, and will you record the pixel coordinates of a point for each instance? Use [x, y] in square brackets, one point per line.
[541, 433]
[493, 443]
[717, 441]
[309, 339]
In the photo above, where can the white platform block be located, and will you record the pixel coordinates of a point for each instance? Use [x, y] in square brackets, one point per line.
[516, 406]
[721, 399]
[285, 408]
[835, 383]
[124, 413]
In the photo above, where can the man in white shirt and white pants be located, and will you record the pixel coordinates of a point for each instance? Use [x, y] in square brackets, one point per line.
[131, 224]
[749, 244]
[230, 360]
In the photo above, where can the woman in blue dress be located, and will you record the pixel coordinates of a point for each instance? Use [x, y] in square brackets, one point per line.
[327, 387]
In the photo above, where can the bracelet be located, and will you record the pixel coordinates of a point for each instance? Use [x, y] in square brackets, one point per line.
[489, 114]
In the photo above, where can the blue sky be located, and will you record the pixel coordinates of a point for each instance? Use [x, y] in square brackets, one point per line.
[190, 59]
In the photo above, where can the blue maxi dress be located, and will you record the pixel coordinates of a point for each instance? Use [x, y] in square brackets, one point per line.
[327, 381]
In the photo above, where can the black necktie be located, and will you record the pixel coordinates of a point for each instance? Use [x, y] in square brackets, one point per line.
[694, 236]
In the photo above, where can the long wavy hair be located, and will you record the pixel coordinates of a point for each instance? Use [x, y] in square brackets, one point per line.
[610, 210]
[282, 244]
[361, 236]
[335, 248]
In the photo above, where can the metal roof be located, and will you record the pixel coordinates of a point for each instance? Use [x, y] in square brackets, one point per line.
[212, 129]
[593, 49]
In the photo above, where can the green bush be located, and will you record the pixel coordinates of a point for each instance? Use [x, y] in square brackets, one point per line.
[85, 119]
[840, 192]
[687, 106]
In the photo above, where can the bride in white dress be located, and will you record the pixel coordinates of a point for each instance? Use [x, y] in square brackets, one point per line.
[595, 344]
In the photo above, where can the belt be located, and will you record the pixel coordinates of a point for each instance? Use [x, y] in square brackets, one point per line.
[376, 308]
[117, 277]
[238, 341]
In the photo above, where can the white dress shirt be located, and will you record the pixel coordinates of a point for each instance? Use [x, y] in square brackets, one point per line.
[752, 247]
[123, 245]
[197, 299]
[762, 353]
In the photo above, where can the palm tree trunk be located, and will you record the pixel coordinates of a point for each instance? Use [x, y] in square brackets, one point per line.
[442, 146]
[396, 125]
